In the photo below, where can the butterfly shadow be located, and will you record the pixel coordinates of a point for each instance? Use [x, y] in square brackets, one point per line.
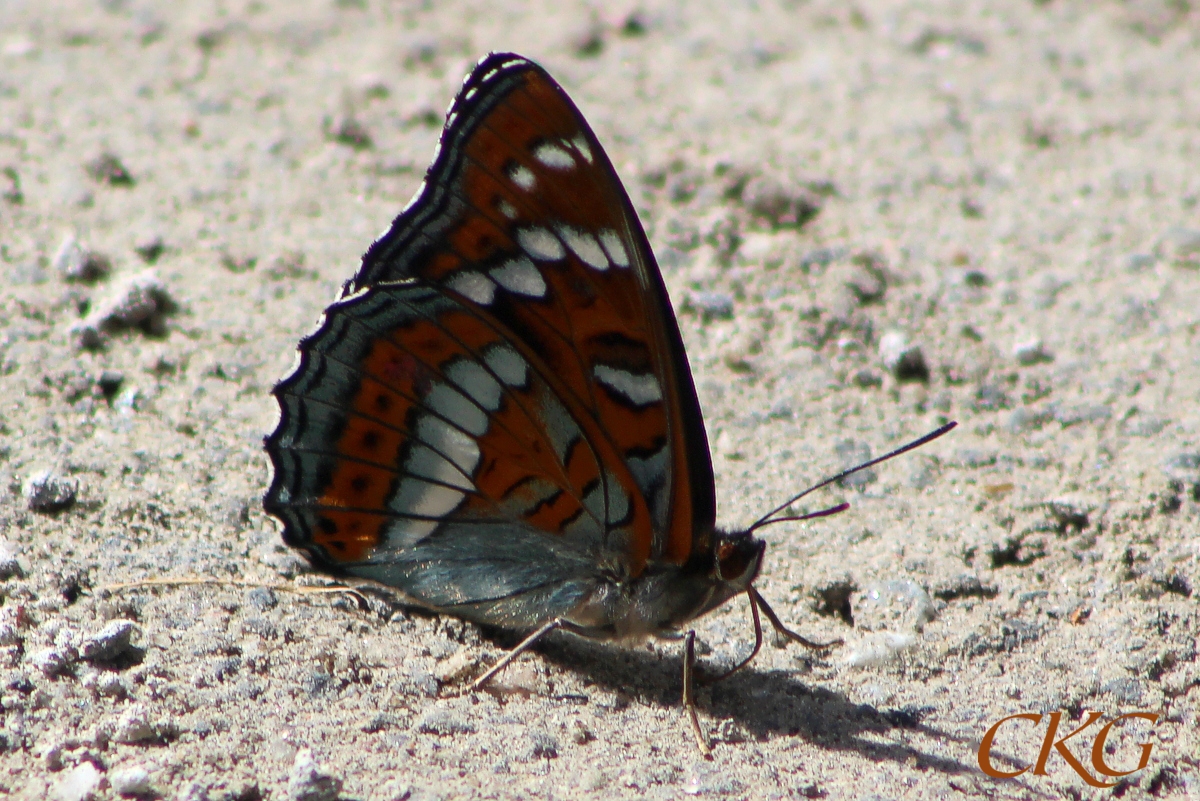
[764, 704]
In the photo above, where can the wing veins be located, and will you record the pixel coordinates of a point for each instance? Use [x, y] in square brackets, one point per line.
[530, 357]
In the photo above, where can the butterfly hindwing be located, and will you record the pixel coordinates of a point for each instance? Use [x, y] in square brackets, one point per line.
[503, 381]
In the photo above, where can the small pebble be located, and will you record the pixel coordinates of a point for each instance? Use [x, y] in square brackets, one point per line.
[580, 733]
[1137, 262]
[1073, 415]
[900, 605]
[149, 248]
[587, 41]
[778, 205]
[972, 457]
[9, 635]
[12, 186]
[108, 169]
[140, 300]
[47, 492]
[712, 305]
[781, 410]
[878, 648]
[134, 726]
[1045, 291]
[262, 598]
[109, 643]
[110, 381]
[1030, 351]
[80, 783]
[866, 279]
[192, 791]
[866, 379]
[289, 264]
[399, 790]
[75, 263]
[592, 780]
[1127, 691]
[821, 257]
[990, 397]
[1072, 511]
[852, 453]
[904, 361]
[111, 685]
[543, 745]
[131, 781]
[380, 722]
[456, 667]
[9, 565]
[1183, 466]
[137, 300]
[707, 780]
[1026, 419]
[923, 474]
[1181, 246]
[51, 661]
[964, 585]
[347, 130]
[1144, 425]
[444, 723]
[307, 782]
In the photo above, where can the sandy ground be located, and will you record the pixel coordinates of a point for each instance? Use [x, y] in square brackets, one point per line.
[1009, 220]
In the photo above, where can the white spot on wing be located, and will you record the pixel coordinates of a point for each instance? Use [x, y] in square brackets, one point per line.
[426, 463]
[508, 365]
[618, 499]
[450, 442]
[585, 246]
[650, 474]
[455, 407]
[584, 529]
[523, 177]
[583, 147]
[560, 426]
[540, 244]
[417, 497]
[593, 502]
[507, 209]
[473, 379]
[521, 276]
[614, 247]
[403, 532]
[474, 286]
[554, 156]
[639, 389]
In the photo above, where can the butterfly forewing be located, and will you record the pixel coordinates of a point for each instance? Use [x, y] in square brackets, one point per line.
[504, 379]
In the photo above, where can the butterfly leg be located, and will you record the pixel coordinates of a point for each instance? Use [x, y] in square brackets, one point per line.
[755, 599]
[525, 645]
[758, 600]
[689, 691]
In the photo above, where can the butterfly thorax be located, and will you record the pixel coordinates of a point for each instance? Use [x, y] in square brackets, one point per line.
[666, 596]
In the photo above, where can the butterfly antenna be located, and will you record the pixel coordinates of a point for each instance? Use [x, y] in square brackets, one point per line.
[766, 519]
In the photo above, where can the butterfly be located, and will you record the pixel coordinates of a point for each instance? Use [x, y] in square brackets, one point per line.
[497, 417]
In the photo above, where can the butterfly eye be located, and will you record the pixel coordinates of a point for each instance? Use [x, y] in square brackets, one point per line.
[738, 556]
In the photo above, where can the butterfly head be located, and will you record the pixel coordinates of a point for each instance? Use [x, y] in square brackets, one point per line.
[737, 558]
[727, 570]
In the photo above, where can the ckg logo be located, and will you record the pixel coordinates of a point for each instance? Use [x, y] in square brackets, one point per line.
[1052, 742]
